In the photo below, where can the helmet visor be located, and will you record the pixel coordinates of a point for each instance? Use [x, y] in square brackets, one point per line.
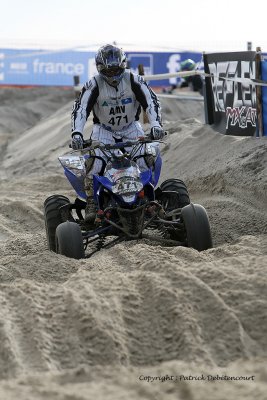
[111, 71]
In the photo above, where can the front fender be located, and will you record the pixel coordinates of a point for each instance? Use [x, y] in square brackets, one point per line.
[146, 176]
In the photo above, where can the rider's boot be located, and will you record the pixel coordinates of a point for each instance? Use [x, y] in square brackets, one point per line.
[90, 209]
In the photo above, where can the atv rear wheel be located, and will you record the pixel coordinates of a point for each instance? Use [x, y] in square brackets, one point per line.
[178, 186]
[197, 227]
[69, 240]
[53, 217]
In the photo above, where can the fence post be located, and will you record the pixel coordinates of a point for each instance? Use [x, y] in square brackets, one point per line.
[76, 81]
[142, 73]
[207, 90]
[258, 92]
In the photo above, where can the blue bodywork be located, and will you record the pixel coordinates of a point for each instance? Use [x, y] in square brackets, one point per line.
[75, 174]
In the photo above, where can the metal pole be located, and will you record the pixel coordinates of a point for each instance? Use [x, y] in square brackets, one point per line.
[258, 92]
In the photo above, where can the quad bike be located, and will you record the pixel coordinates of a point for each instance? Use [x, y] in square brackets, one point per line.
[128, 205]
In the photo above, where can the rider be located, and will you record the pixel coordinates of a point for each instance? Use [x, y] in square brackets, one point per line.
[194, 82]
[115, 96]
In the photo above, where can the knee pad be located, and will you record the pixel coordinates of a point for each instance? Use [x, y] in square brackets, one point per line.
[150, 160]
[150, 155]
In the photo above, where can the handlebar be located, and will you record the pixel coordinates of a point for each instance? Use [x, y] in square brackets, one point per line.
[120, 145]
[89, 144]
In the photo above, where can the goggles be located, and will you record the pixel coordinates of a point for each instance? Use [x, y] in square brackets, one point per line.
[110, 71]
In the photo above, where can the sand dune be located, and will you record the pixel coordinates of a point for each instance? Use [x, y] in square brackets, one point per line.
[98, 328]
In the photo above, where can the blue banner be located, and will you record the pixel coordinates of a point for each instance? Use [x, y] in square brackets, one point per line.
[162, 63]
[30, 67]
[57, 68]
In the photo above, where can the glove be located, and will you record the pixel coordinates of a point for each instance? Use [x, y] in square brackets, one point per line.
[77, 141]
[156, 133]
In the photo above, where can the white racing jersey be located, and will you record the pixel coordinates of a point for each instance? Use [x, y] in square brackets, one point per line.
[115, 107]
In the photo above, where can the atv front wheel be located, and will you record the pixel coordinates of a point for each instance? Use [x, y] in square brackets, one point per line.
[197, 227]
[53, 217]
[178, 186]
[69, 240]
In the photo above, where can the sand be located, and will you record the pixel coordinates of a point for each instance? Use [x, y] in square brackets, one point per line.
[140, 320]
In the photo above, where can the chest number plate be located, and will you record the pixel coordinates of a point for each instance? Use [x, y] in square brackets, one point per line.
[117, 118]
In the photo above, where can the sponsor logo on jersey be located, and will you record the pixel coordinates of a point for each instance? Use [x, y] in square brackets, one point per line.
[127, 100]
[108, 103]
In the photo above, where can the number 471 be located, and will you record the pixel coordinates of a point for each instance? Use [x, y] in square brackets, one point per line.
[113, 121]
